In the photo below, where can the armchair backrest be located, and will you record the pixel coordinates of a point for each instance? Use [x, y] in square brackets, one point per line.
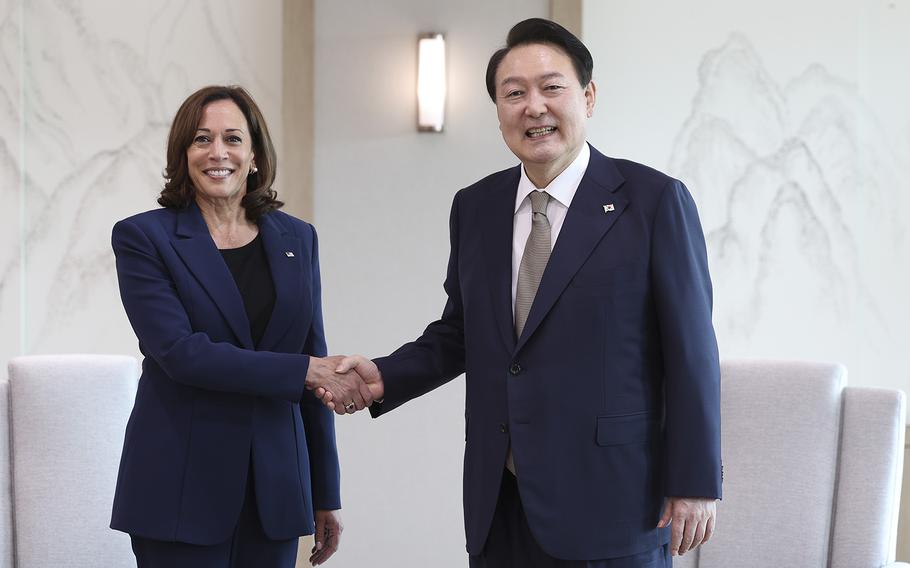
[811, 469]
[67, 418]
[7, 557]
[869, 478]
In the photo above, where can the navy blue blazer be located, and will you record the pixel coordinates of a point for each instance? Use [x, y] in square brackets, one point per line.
[208, 400]
[610, 397]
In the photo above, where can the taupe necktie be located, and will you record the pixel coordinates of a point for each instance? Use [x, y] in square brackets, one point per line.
[534, 260]
[530, 271]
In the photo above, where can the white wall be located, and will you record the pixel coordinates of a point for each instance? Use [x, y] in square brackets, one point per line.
[789, 122]
[87, 95]
[382, 199]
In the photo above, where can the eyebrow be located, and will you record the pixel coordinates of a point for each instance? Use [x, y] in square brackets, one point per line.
[226, 130]
[553, 75]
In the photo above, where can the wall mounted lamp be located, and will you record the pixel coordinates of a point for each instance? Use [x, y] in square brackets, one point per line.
[431, 82]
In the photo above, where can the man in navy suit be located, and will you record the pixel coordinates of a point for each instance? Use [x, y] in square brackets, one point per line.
[579, 307]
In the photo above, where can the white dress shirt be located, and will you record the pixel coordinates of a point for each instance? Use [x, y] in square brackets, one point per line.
[562, 190]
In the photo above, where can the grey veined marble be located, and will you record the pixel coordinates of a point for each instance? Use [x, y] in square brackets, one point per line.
[87, 94]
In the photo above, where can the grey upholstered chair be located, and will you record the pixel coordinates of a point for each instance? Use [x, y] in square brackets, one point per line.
[63, 417]
[812, 470]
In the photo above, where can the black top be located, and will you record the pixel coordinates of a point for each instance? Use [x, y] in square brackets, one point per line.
[251, 272]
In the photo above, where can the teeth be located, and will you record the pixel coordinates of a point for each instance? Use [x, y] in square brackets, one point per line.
[540, 131]
[218, 173]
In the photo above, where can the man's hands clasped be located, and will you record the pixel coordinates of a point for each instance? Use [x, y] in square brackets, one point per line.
[345, 384]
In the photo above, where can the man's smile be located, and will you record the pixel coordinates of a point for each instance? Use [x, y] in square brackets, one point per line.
[539, 131]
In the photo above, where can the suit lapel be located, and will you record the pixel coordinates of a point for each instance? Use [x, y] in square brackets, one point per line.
[287, 273]
[195, 246]
[586, 223]
[498, 213]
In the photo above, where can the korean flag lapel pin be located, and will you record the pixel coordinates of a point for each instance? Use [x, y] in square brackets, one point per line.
[608, 208]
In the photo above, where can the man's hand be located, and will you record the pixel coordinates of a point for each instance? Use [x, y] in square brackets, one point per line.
[348, 391]
[692, 522]
[362, 367]
[327, 537]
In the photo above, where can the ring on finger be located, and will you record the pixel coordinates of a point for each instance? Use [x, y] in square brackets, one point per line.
[350, 406]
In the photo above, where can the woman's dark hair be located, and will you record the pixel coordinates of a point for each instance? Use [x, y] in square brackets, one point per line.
[538, 30]
[178, 189]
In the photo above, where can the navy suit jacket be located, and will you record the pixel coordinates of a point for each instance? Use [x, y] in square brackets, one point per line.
[208, 400]
[610, 397]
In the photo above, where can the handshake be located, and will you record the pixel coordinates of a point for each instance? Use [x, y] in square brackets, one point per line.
[345, 384]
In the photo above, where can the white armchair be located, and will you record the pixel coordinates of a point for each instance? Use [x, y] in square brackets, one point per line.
[812, 470]
[64, 418]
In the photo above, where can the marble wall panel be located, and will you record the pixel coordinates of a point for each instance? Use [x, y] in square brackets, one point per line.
[791, 134]
[100, 82]
[10, 181]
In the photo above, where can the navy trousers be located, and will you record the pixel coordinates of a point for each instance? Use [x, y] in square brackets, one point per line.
[510, 543]
[248, 547]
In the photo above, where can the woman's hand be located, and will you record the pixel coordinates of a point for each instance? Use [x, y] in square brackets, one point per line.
[328, 536]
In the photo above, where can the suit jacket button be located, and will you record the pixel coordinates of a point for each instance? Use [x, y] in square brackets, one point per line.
[515, 369]
[504, 428]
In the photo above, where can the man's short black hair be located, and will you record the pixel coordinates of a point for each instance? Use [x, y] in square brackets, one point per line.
[539, 30]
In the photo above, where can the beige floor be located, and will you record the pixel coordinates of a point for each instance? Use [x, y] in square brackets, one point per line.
[903, 527]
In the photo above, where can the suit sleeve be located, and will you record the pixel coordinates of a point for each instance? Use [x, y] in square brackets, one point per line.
[683, 299]
[437, 356]
[165, 334]
[319, 421]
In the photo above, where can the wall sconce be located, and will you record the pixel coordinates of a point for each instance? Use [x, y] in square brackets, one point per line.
[431, 82]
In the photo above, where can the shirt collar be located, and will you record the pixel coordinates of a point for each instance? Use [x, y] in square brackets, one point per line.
[563, 186]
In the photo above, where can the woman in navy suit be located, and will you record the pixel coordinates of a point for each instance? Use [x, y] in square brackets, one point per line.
[228, 458]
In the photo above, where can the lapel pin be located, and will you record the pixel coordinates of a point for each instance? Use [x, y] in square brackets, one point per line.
[288, 254]
[608, 207]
